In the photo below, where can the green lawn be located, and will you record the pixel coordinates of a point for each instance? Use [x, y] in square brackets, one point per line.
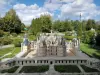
[88, 69]
[11, 70]
[5, 51]
[14, 51]
[88, 50]
[32, 37]
[34, 69]
[67, 68]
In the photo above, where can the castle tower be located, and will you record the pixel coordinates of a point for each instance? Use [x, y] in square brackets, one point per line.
[25, 44]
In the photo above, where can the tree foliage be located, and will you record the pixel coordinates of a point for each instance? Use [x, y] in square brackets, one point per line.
[89, 37]
[90, 24]
[98, 40]
[62, 26]
[42, 24]
[11, 22]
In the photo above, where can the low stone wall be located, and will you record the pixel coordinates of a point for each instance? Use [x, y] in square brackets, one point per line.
[23, 62]
[50, 74]
[80, 73]
[46, 61]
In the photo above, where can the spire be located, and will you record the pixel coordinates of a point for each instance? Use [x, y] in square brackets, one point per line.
[80, 16]
[25, 40]
[25, 35]
[51, 31]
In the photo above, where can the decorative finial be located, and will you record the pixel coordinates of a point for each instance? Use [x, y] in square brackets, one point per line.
[80, 16]
[51, 31]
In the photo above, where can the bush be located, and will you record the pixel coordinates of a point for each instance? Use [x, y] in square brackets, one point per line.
[5, 41]
[98, 40]
[1, 33]
[6, 33]
[11, 70]
[14, 34]
[34, 69]
[88, 37]
[68, 37]
[67, 68]
[17, 42]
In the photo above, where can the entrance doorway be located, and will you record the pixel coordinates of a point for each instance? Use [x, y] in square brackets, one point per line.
[51, 62]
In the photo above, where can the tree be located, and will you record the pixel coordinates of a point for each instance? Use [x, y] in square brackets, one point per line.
[62, 26]
[36, 26]
[11, 22]
[22, 26]
[98, 40]
[42, 24]
[56, 25]
[68, 25]
[46, 23]
[90, 24]
[79, 30]
[89, 37]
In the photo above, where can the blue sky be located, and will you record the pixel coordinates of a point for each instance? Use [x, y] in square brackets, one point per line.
[58, 9]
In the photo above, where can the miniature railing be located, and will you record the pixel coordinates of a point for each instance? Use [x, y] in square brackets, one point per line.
[91, 73]
[50, 73]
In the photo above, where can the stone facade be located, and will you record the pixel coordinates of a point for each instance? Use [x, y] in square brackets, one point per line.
[52, 44]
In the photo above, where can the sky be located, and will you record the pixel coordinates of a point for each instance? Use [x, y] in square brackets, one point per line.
[58, 9]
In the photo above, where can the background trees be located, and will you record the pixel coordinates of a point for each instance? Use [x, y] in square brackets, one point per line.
[62, 26]
[11, 22]
[90, 24]
[42, 24]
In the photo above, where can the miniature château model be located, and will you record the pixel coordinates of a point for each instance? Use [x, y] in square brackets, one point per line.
[49, 44]
[52, 49]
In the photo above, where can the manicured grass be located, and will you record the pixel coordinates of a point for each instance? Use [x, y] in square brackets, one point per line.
[14, 52]
[34, 69]
[67, 68]
[88, 50]
[32, 37]
[5, 51]
[11, 70]
[88, 69]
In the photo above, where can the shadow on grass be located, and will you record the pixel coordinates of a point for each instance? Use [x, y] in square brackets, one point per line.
[96, 56]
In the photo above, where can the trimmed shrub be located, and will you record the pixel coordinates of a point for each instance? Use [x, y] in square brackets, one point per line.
[17, 42]
[67, 68]
[11, 70]
[98, 40]
[68, 37]
[14, 34]
[6, 33]
[34, 69]
[5, 41]
[1, 33]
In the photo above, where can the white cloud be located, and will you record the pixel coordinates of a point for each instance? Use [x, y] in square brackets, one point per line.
[27, 13]
[51, 6]
[86, 7]
[72, 8]
[68, 9]
[4, 4]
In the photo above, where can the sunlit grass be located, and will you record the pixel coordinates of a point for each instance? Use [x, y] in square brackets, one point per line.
[5, 51]
[90, 51]
[14, 51]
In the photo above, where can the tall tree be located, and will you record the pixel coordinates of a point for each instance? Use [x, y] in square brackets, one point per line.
[36, 26]
[11, 22]
[79, 30]
[90, 24]
[42, 24]
[46, 23]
